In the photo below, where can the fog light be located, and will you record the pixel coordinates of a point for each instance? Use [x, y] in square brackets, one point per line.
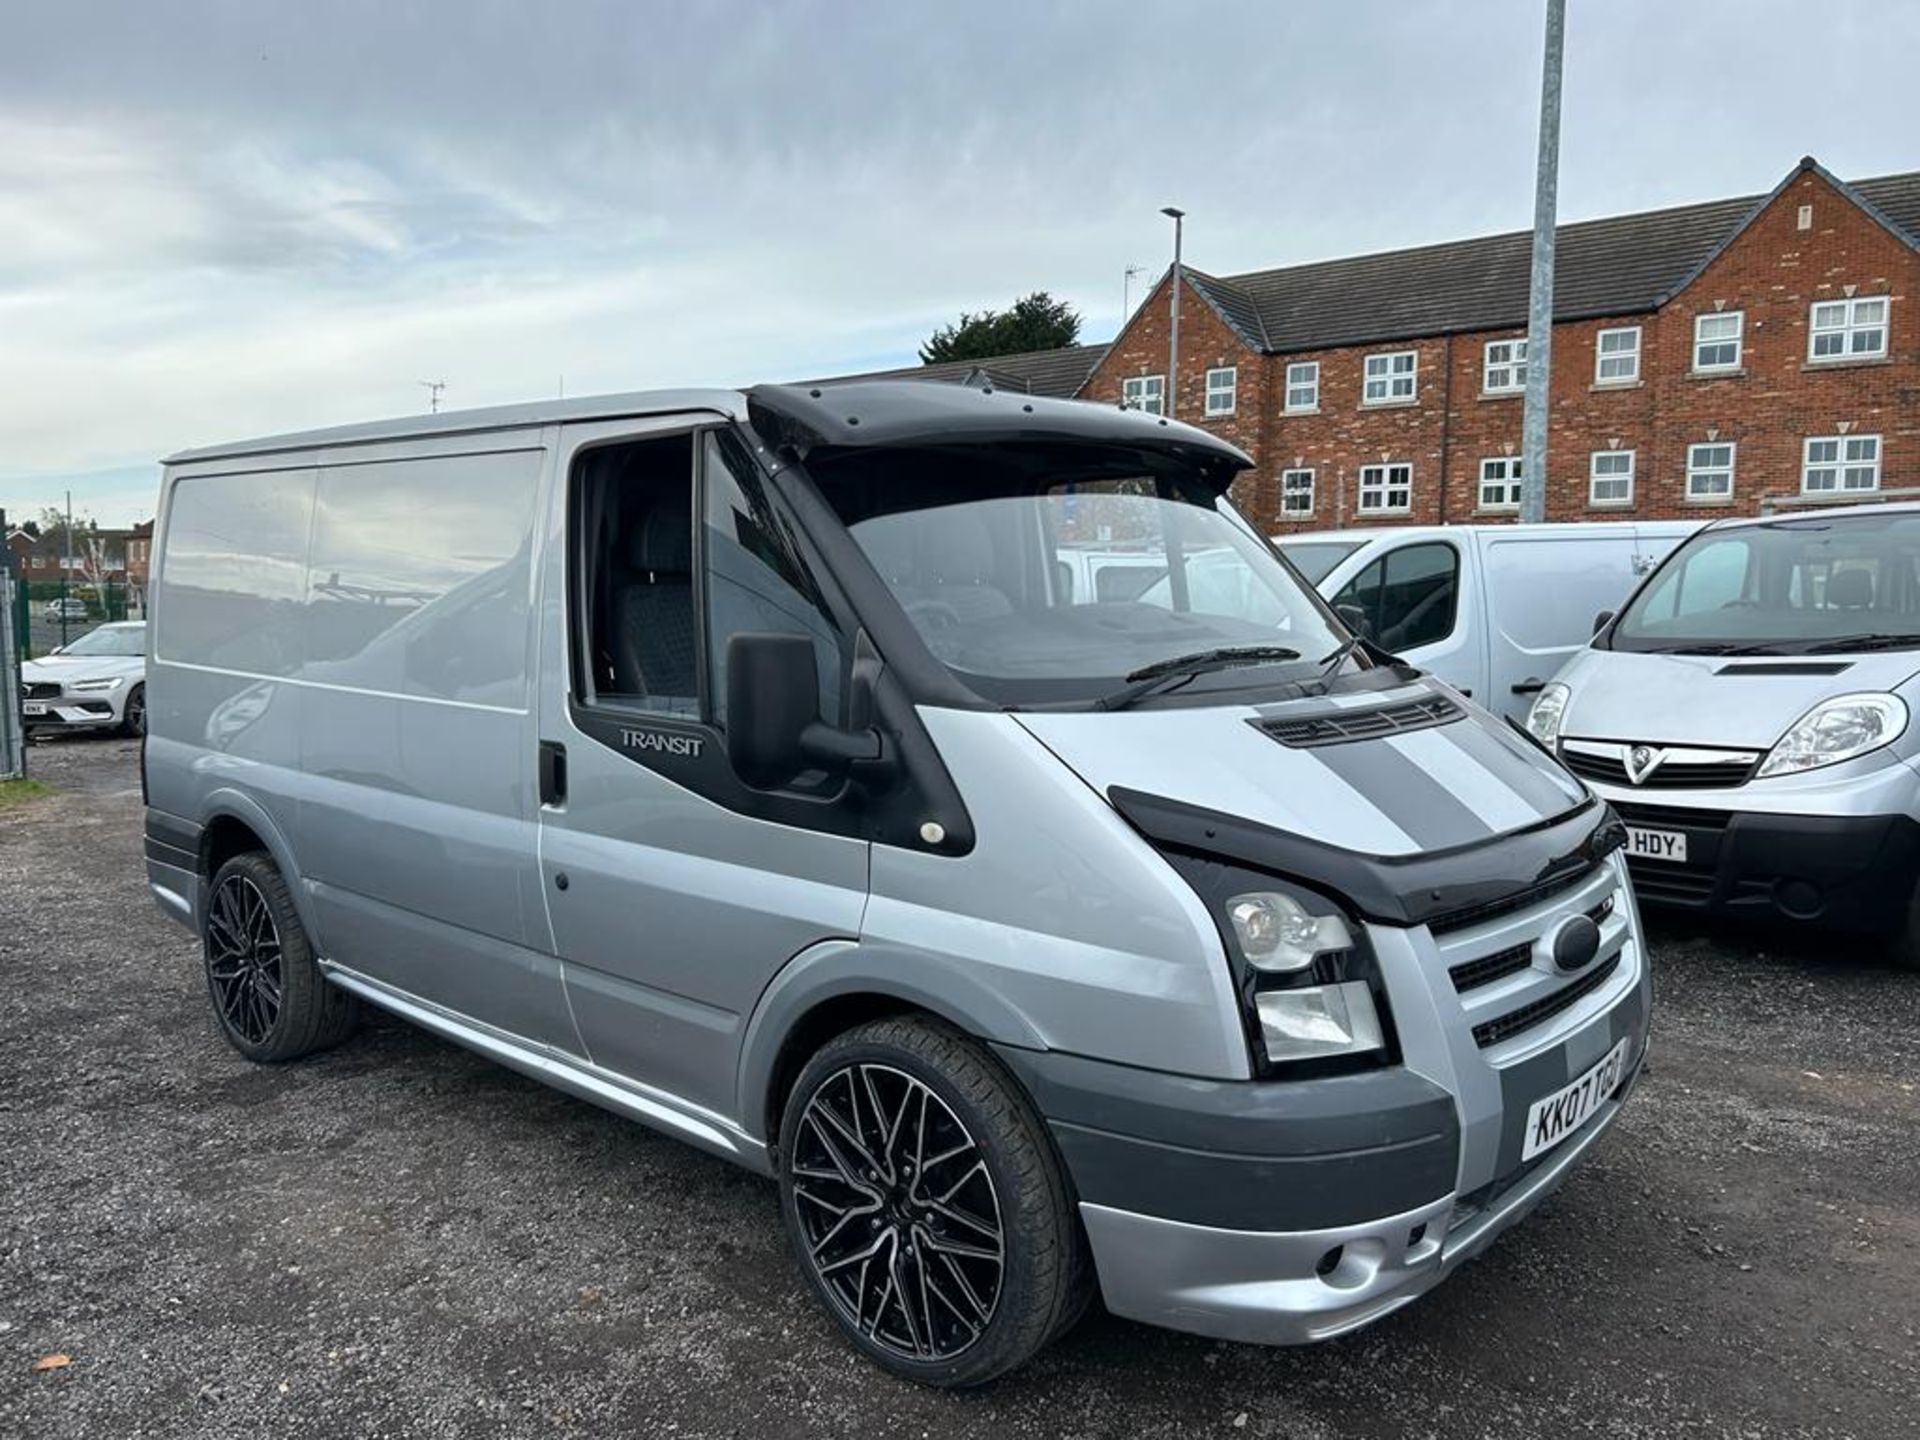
[1318, 1021]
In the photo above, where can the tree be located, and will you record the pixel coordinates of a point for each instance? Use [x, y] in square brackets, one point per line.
[1036, 322]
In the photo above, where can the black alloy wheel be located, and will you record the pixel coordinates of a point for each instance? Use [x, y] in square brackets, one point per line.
[899, 1213]
[927, 1205]
[133, 720]
[268, 992]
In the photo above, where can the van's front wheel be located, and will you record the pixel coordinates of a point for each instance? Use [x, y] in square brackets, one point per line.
[926, 1205]
[268, 994]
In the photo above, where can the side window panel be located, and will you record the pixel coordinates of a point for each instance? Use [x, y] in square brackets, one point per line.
[755, 579]
[1361, 596]
[419, 577]
[234, 572]
[636, 624]
[1421, 594]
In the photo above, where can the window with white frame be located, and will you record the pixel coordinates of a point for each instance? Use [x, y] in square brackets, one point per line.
[1716, 340]
[1144, 392]
[1710, 471]
[1303, 385]
[1504, 371]
[1222, 386]
[1386, 489]
[1616, 356]
[1500, 483]
[1610, 477]
[1389, 377]
[1848, 329]
[1296, 492]
[1840, 463]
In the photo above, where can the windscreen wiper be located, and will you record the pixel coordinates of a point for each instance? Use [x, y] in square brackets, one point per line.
[1765, 647]
[1863, 642]
[1181, 668]
[1330, 666]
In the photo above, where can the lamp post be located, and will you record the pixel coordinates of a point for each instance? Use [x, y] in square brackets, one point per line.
[1173, 321]
[1546, 184]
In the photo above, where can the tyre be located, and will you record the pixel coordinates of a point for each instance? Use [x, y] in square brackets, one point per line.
[271, 1000]
[926, 1205]
[133, 720]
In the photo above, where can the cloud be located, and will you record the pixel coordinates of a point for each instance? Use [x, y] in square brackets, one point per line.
[221, 218]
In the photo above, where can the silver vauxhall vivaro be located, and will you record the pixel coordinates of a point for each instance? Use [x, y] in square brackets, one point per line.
[1749, 715]
[745, 764]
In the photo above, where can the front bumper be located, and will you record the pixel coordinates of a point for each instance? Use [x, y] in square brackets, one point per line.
[1291, 1212]
[1846, 872]
[1276, 1287]
[71, 712]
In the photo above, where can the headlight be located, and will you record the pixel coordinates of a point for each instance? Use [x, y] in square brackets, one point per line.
[1835, 730]
[114, 683]
[1543, 720]
[1319, 1021]
[1279, 935]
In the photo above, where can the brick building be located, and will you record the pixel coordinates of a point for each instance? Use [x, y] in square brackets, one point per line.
[1703, 358]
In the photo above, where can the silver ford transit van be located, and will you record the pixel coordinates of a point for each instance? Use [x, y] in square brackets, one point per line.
[742, 763]
[1749, 715]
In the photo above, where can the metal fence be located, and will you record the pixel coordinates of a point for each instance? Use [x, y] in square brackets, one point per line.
[51, 613]
[13, 740]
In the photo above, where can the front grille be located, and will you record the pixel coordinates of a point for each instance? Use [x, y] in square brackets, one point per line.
[1673, 817]
[41, 690]
[1670, 884]
[1673, 775]
[1492, 1032]
[1337, 727]
[1471, 974]
[1469, 915]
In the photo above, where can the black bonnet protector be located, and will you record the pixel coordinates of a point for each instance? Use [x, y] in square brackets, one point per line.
[1423, 888]
[820, 424]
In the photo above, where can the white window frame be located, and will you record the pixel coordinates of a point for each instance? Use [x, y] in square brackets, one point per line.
[1738, 340]
[1308, 380]
[1594, 477]
[1390, 378]
[1510, 366]
[1697, 469]
[1601, 355]
[1230, 389]
[1847, 329]
[1843, 461]
[1508, 478]
[1378, 483]
[1295, 472]
[1137, 398]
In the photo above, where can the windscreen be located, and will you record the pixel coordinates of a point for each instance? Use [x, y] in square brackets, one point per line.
[1315, 559]
[124, 640]
[1038, 589]
[1784, 587]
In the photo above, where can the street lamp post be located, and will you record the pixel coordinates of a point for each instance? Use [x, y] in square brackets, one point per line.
[1173, 320]
[1546, 184]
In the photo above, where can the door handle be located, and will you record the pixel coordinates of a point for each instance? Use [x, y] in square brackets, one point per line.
[1529, 686]
[553, 773]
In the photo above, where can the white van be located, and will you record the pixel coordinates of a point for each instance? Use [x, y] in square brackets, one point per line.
[1493, 610]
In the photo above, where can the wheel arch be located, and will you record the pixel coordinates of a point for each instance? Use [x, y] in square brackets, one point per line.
[233, 823]
[829, 989]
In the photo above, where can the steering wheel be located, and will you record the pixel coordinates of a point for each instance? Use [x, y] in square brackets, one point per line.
[933, 615]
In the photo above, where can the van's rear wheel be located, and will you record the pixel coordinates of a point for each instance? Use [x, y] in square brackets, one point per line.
[271, 1000]
[926, 1205]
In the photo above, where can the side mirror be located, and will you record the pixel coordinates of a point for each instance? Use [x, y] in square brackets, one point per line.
[774, 729]
[56, 650]
[1355, 619]
[1600, 621]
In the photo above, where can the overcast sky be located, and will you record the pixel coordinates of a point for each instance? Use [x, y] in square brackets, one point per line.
[219, 220]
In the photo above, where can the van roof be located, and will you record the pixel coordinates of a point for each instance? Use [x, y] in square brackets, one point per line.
[1359, 534]
[496, 417]
[814, 420]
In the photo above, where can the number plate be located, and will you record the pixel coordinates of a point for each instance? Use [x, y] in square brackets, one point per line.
[30, 709]
[1554, 1118]
[1669, 845]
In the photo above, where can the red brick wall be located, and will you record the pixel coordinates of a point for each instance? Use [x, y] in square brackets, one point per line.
[1773, 272]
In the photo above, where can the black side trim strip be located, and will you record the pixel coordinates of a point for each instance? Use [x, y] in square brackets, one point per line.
[173, 832]
[1416, 889]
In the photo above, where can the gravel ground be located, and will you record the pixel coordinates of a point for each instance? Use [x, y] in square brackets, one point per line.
[400, 1239]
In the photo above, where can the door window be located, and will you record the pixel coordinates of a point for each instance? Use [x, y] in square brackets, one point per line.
[1408, 597]
[756, 582]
